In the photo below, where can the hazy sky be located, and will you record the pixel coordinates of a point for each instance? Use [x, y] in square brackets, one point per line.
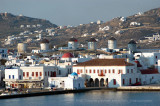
[75, 12]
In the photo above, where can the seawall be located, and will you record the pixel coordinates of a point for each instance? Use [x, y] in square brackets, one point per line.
[48, 93]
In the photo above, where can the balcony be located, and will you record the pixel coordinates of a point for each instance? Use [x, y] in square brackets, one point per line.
[101, 74]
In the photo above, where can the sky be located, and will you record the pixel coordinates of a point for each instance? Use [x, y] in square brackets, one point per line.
[75, 12]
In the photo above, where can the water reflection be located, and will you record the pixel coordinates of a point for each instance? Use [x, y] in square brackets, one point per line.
[93, 98]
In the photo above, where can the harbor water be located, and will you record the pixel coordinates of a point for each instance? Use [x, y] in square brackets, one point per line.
[90, 98]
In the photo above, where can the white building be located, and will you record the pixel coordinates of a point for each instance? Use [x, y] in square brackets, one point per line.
[112, 43]
[31, 76]
[74, 82]
[44, 45]
[148, 59]
[12, 74]
[70, 82]
[108, 72]
[150, 76]
[73, 44]
[132, 46]
[3, 53]
[92, 45]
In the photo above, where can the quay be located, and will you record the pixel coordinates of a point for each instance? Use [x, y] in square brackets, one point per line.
[60, 91]
[54, 92]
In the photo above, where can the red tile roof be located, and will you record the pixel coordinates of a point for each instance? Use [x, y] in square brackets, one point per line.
[149, 71]
[105, 62]
[67, 55]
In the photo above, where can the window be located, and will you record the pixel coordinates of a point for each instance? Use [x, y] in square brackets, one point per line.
[81, 71]
[123, 81]
[130, 81]
[140, 80]
[94, 71]
[105, 71]
[86, 71]
[109, 71]
[9, 76]
[33, 74]
[23, 74]
[48, 73]
[40, 73]
[90, 71]
[77, 71]
[127, 70]
[136, 80]
[131, 70]
[97, 71]
[101, 71]
[119, 71]
[36, 74]
[27, 74]
[13, 76]
[156, 57]
[114, 81]
[113, 71]
[45, 73]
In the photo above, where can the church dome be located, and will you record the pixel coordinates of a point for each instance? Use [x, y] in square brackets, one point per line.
[74, 74]
[67, 55]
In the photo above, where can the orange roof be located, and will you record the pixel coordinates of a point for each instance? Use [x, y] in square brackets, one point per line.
[149, 71]
[105, 62]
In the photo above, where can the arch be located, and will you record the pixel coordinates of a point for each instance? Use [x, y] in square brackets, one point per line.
[96, 82]
[91, 82]
[102, 82]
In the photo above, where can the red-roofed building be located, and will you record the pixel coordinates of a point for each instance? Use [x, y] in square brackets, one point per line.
[67, 56]
[149, 76]
[108, 72]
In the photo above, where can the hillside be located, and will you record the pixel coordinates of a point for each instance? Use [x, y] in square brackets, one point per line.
[137, 27]
[149, 24]
[11, 24]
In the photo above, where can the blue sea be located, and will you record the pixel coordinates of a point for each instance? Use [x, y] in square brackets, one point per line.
[91, 98]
